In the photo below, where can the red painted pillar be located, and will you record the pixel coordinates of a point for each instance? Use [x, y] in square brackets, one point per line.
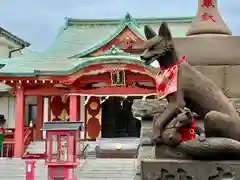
[19, 124]
[39, 121]
[74, 115]
[74, 108]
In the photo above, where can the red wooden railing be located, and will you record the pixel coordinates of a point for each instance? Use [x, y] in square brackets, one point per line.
[8, 140]
[9, 134]
[7, 149]
[28, 137]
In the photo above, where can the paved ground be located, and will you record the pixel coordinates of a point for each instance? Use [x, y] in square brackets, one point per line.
[100, 169]
[90, 168]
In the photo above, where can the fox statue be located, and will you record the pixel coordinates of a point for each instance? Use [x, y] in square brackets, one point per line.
[189, 88]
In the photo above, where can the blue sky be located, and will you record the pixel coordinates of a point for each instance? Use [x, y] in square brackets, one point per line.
[37, 21]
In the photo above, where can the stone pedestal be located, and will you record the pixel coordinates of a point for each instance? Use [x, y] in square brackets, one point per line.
[145, 152]
[189, 169]
[117, 147]
[166, 152]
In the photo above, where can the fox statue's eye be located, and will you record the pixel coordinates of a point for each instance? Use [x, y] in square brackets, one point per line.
[151, 48]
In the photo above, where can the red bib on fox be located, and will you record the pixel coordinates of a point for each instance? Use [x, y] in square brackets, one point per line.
[166, 80]
[188, 133]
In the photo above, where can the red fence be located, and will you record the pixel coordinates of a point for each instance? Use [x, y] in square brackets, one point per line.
[8, 141]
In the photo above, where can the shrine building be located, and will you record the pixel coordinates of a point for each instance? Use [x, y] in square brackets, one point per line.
[90, 73]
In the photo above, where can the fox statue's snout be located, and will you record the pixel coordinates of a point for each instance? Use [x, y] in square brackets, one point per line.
[147, 58]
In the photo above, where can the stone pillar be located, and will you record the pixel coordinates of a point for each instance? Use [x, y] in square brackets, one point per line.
[200, 26]
[19, 127]
[39, 121]
[145, 152]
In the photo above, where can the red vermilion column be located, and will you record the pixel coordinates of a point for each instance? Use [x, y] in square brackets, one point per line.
[74, 112]
[39, 121]
[74, 108]
[19, 124]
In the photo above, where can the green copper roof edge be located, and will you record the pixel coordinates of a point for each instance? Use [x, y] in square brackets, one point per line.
[114, 51]
[14, 38]
[73, 21]
[88, 61]
[123, 24]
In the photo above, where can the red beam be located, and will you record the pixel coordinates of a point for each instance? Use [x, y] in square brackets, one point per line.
[117, 90]
[139, 78]
[101, 66]
[43, 92]
[96, 91]
[94, 78]
[130, 78]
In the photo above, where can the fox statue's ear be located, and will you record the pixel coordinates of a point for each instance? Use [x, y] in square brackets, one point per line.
[149, 32]
[164, 31]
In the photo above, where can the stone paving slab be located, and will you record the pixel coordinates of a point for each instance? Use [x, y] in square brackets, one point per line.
[108, 169]
[111, 169]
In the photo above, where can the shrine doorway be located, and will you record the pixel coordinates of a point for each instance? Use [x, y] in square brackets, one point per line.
[117, 119]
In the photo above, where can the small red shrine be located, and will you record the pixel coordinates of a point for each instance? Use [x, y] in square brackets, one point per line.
[62, 148]
[73, 67]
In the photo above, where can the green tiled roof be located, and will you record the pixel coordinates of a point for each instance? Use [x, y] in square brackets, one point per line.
[67, 66]
[128, 21]
[74, 40]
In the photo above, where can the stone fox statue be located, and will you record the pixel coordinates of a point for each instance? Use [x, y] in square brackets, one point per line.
[181, 128]
[192, 90]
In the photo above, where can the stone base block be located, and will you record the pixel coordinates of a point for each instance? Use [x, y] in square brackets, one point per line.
[164, 151]
[145, 152]
[117, 147]
[170, 169]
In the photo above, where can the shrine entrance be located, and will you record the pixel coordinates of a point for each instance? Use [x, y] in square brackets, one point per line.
[117, 118]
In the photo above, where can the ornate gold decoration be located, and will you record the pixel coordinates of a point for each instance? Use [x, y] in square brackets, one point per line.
[93, 105]
[118, 78]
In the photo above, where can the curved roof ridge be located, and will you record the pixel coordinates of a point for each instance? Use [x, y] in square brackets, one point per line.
[77, 64]
[115, 21]
[128, 21]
